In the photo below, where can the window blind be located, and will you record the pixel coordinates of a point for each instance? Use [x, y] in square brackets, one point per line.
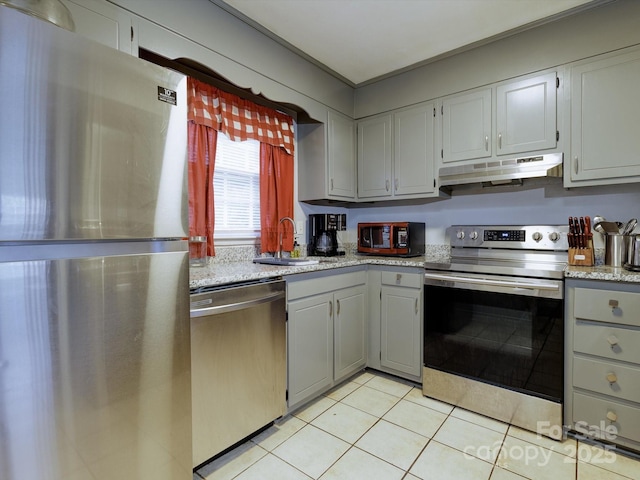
[236, 182]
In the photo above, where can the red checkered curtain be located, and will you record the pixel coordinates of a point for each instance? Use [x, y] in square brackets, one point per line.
[240, 120]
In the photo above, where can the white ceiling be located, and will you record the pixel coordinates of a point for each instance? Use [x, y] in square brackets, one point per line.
[361, 40]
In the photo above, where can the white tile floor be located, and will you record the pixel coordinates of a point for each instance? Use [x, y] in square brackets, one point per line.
[378, 427]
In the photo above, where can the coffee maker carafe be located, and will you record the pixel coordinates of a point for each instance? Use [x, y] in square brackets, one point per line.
[323, 228]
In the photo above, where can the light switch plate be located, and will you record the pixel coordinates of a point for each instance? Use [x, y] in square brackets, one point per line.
[300, 227]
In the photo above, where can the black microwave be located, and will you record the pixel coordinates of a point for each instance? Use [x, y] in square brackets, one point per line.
[399, 239]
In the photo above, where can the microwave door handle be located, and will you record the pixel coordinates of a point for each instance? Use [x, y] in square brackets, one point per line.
[495, 283]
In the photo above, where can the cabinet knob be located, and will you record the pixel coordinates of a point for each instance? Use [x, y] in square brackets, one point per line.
[486, 143]
[613, 340]
[612, 377]
[386, 185]
[611, 416]
[499, 140]
[331, 309]
[575, 164]
[395, 184]
[331, 184]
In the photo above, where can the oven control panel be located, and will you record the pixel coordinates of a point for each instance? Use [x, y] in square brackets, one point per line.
[531, 237]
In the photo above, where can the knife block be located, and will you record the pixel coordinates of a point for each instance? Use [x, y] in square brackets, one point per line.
[581, 256]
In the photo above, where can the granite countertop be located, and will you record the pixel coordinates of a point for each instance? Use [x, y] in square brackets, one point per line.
[602, 272]
[224, 273]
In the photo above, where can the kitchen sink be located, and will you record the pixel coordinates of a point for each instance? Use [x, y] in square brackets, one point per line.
[286, 262]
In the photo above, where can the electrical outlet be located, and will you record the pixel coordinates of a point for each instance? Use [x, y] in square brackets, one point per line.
[300, 227]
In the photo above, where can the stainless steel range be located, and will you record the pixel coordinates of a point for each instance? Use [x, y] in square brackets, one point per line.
[494, 324]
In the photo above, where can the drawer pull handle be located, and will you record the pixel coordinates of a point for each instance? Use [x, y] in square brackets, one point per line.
[613, 340]
[613, 303]
[611, 416]
[612, 377]
[398, 277]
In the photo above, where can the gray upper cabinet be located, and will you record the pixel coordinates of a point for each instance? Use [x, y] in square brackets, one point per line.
[341, 156]
[396, 154]
[375, 157]
[104, 23]
[466, 126]
[604, 106]
[326, 160]
[526, 115]
[413, 160]
[508, 118]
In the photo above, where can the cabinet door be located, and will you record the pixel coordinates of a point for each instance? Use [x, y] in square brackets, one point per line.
[604, 119]
[341, 156]
[526, 115]
[400, 335]
[374, 157]
[310, 346]
[414, 131]
[466, 126]
[104, 23]
[349, 331]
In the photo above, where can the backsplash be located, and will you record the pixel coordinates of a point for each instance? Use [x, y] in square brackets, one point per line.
[246, 253]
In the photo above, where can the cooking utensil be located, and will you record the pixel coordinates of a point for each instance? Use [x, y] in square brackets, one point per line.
[572, 236]
[609, 228]
[583, 233]
[630, 226]
[596, 224]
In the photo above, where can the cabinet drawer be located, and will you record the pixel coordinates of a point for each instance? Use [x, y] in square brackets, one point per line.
[607, 341]
[413, 280]
[607, 306]
[607, 378]
[324, 283]
[591, 411]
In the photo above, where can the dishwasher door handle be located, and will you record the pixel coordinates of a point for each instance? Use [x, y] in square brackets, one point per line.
[232, 307]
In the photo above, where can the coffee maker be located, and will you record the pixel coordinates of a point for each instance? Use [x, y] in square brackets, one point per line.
[323, 228]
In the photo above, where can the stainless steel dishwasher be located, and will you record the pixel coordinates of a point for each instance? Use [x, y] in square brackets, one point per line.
[238, 362]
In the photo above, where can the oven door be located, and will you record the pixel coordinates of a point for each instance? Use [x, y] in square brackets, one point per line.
[505, 331]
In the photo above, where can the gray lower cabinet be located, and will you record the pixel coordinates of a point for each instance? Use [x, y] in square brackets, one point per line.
[395, 331]
[602, 377]
[326, 331]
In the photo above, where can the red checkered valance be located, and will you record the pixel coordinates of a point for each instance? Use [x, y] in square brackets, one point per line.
[238, 118]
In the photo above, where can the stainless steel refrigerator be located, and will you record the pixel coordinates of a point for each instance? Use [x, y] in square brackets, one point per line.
[94, 301]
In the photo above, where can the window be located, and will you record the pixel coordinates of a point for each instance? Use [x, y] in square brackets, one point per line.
[236, 184]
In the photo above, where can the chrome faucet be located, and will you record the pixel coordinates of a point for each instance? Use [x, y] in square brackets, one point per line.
[281, 232]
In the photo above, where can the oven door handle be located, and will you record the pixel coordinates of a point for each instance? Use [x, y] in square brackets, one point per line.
[495, 283]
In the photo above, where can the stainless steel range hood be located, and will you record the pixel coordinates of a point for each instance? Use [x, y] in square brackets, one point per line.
[503, 172]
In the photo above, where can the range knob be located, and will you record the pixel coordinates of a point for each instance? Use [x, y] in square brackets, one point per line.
[554, 236]
[473, 235]
[537, 236]
[460, 235]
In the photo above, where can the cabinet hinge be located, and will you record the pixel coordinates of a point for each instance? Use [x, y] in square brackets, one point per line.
[434, 183]
[286, 395]
[434, 112]
[132, 34]
[557, 82]
[557, 135]
[380, 294]
[441, 153]
[380, 355]
[441, 109]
